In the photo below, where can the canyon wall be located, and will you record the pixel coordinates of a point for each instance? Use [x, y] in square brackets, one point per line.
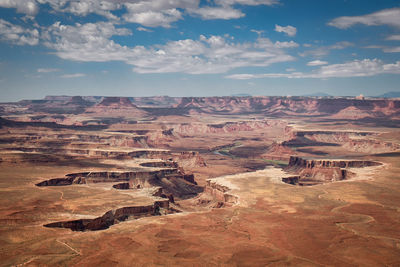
[317, 171]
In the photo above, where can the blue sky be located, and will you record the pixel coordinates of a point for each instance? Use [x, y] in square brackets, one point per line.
[198, 48]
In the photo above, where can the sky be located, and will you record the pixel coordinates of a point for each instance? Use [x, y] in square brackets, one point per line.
[198, 47]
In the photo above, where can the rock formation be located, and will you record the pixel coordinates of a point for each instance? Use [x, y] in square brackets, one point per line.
[115, 216]
[112, 106]
[316, 171]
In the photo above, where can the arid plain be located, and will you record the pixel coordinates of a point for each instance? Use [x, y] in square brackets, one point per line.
[214, 181]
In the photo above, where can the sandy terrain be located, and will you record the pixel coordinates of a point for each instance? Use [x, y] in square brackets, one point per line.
[200, 189]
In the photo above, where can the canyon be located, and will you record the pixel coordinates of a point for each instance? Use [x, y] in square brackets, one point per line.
[200, 181]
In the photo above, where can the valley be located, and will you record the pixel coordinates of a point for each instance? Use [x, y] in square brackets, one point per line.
[200, 181]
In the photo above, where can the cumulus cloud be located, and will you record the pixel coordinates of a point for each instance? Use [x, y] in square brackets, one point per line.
[383, 17]
[214, 54]
[224, 8]
[142, 29]
[155, 13]
[317, 63]
[289, 30]
[18, 35]
[217, 13]
[207, 55]
[246, 2]
[356, 68]
[162, 18]
[28, 7]
[83, 8]
[85, 42]
[47, 70]
[149, 13]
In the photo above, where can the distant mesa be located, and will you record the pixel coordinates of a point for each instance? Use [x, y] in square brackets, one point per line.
[117, 106]
[116, 102]
[78, 100]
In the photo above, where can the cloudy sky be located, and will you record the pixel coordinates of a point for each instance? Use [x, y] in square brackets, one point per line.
[198, 47]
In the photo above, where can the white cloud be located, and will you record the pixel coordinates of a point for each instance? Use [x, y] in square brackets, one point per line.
[150, 13]
[18, 35]
[259, 32]
[83, 8]
[386, 49]
[155, 13]
[208, 55]
[356, 68]
[47, 70]
[74, 75]
[86, 42]
[392, 49]
[325, 50]
[154, 19]
[246, 2]
[224, 8]
[217, 12]
[142, 29]
[395, 37]
[383, 17]
[289, 30]
[290, 44]
[28, 7]
[317, 63]
[215, 54]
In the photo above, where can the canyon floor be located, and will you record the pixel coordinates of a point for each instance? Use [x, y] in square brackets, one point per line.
[199, 182]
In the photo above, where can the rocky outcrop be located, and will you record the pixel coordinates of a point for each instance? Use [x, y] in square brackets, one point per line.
[297, 162]
[278, 151]
[115, 216]
[275, 106]
[116, 102]
[364, 142]
[317, 171]
[228, 127]
[189, 159]
[58, 105]
[59, 182]
[220, 193]
[122, 186]
[172, 180]
[294, 180]
[160, 164]
[284, 106]
[112, 106]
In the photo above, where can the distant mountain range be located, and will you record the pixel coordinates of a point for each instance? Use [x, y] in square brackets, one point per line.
[390, 95]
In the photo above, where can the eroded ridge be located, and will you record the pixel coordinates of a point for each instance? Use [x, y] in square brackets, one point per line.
[112, 217]
[317, 171]
[160, 181]
[173, 180]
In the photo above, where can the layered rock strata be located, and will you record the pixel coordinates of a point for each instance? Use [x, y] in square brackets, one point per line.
[115, 216]
[317, 171]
